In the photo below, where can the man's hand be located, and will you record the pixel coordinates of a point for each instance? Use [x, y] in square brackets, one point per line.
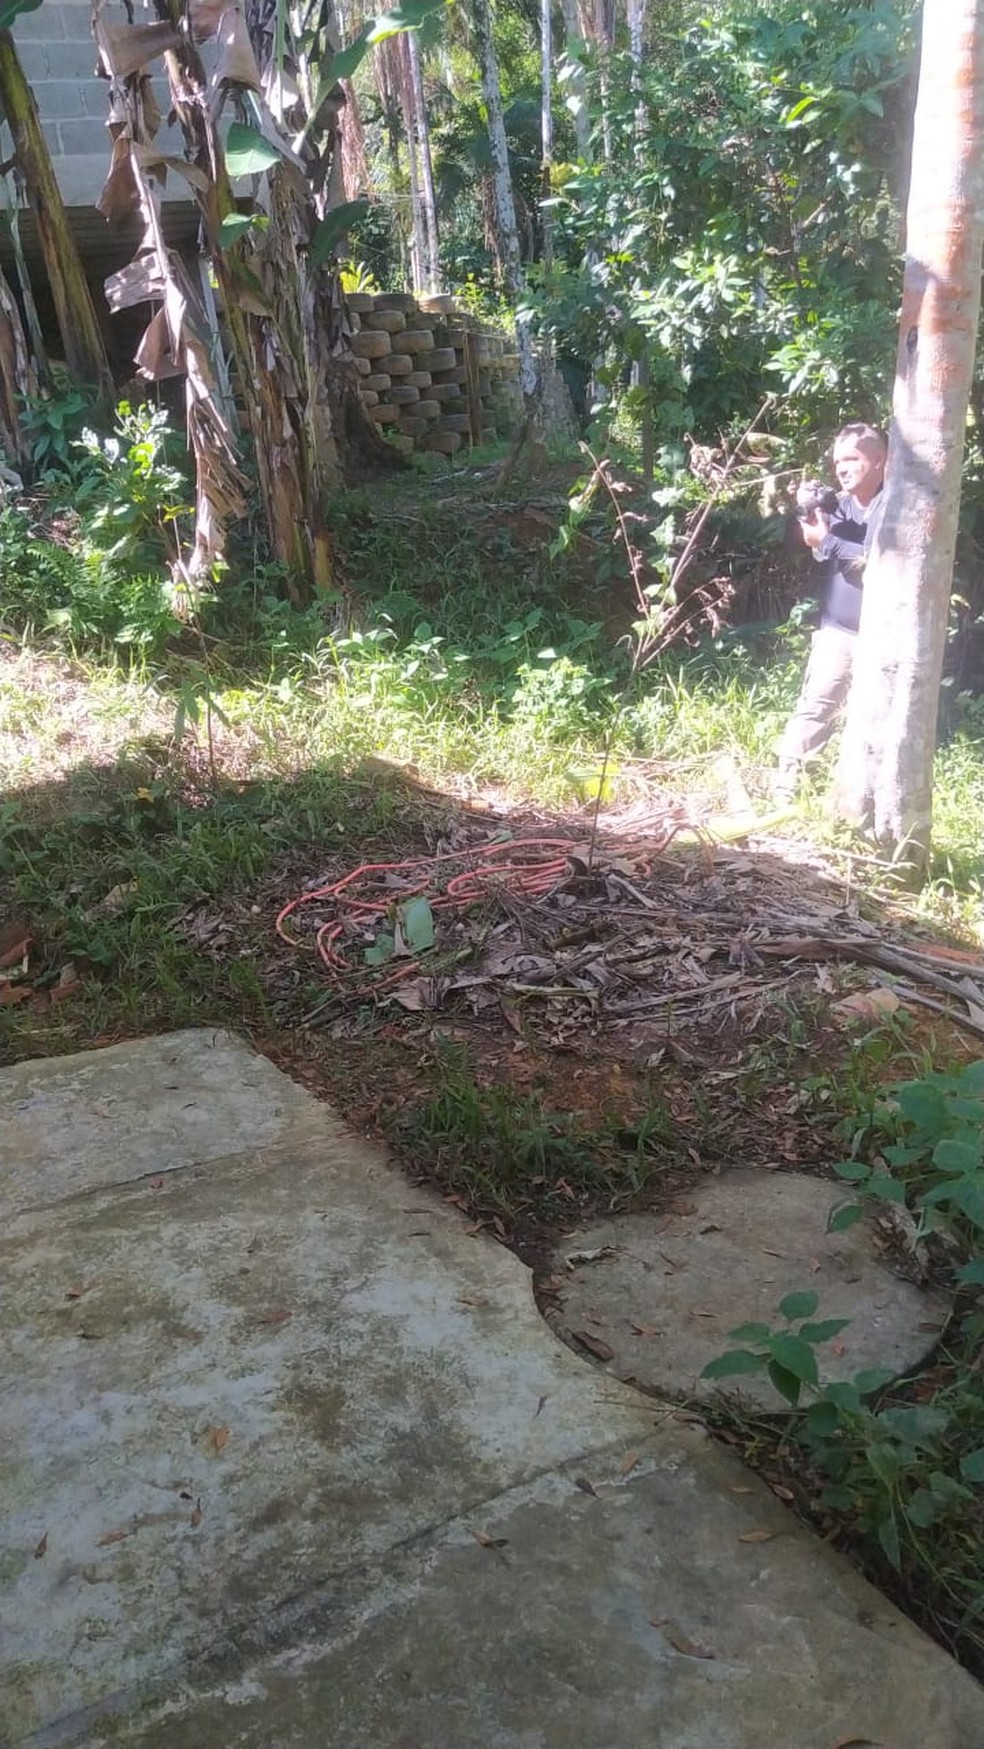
[815, 529]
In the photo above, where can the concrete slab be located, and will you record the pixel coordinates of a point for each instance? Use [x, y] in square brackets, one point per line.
[289, 1459]
[663, 1295]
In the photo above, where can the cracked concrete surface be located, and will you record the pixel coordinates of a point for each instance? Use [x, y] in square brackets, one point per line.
[290, 1459]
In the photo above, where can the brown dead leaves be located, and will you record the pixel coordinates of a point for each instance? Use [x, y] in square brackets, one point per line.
[594, 1344]
[21, 980]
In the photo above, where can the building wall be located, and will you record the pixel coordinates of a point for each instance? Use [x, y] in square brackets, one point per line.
[59, 58]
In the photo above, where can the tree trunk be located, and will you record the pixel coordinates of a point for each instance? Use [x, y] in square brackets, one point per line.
[428, 200]
[574, 45]
[418, 233]
[505, 206]
[85, 352]
[546, 123]
[885, 774]
[17, 379]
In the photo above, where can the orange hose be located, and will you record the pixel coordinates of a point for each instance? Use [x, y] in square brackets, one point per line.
[534, 875]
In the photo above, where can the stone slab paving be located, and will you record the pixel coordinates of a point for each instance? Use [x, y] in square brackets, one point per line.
[288, 1458]
[663, 1295]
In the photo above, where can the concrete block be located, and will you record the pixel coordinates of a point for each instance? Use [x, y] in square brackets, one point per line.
[62, 100]
[64, 60]
[40, 26]
[84, 137]
[81, 177]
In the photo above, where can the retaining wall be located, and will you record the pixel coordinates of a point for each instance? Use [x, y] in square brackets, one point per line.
[432, 377]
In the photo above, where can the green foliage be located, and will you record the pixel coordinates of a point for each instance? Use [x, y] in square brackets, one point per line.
[930, 1138]
[742, 230]
[893, 1469]
[505, 1151]
[11, 10]
[786, 1355]
[52, 424]
[103, 580]
[128, 493]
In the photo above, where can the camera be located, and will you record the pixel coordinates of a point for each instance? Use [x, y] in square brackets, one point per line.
[812, 496]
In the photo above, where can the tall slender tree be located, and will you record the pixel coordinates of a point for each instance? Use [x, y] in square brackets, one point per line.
[885, 774]
[421, 146]
[505, 205]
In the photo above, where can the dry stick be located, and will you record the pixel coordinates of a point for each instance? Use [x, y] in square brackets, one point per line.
[670, 625]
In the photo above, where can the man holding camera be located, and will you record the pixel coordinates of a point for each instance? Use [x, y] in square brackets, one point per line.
[837, 527]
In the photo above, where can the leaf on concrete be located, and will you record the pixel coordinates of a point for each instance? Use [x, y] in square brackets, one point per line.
[573, 1258]
[757, 1536]
[489, 1542]
[586, 1487]
[628, 1463]
[594, 1345]
[682, 1642]
[215, 1439]
[41, 1548]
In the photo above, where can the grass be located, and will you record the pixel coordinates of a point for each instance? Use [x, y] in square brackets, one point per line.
[503, 1152]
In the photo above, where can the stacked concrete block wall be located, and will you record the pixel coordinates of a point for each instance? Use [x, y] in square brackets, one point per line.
[432, 377]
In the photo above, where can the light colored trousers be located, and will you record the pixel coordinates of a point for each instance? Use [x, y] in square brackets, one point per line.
[822, 696]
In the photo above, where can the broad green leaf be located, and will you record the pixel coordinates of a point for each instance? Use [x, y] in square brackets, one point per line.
[884, 1462]
[347, 61]
[380, 951]
[795, 1356]
[10, 10]
[247, 152]
[971, 1079]
[839, 1498]
[407, 16]
[333, 227]
[959, 1153]
[972, 1465]
[922, 1104]
[799, 1306]
[822, 1419]
[728, 1365]
[972, 1274]
[855, 1171]
[873, 1378]
[750, 1333]
[786, 1383]
[824, 1331]
[235, 225]
[885, 1187]
[846, 1214]
[888, 1536]
[918, 1423]
[923, 1509]
[417, 923]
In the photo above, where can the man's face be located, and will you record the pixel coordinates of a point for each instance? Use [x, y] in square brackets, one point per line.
[859, 465]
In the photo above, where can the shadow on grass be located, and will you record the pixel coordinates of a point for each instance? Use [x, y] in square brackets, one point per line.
[99, 867]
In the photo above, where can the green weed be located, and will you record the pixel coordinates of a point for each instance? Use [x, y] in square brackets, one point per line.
[505, 1152]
